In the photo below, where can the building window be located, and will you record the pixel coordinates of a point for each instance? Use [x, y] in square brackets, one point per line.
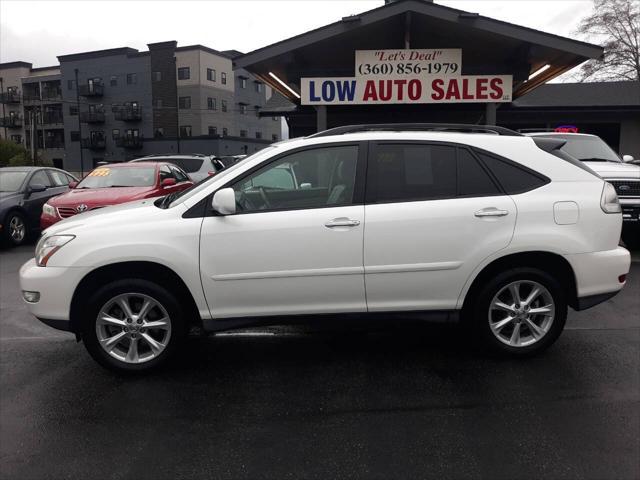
[113, 81]
[225, 132]
[157, 103]
[158, 133]
[74, 136]
[73, 110]
[259, 87]
[243, 109]
[224, 105]
[258, 134]
[115, 133]
[185, 130]
[211, 74]
[213, 131]
[132, 78]
[184, 73]
[157, 76]
[16, 138]
[71, 84]
[243, 82]
[184, 102]
[211, 103]
[274, 137]
[223, 78]
[243, 133]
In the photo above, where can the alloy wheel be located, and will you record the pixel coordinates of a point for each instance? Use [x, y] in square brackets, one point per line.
[17, 229]
[133, 328]
[521, 313]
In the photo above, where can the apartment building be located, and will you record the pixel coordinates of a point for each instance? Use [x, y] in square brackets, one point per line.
[117, 104]
[31, 102]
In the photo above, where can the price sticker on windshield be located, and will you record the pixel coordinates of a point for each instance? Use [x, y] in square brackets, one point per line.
[100, 172]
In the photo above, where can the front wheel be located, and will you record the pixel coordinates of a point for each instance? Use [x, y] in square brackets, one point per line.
[521, 311]
[132, 325]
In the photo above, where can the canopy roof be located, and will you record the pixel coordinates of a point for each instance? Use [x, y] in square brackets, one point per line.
[488, 46]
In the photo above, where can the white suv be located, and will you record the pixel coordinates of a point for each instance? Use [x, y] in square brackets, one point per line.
[487, 227]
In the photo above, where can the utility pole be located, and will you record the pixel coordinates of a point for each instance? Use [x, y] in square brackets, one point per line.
[34, 136]
[175, 72]
[79, 123]
[3, 112]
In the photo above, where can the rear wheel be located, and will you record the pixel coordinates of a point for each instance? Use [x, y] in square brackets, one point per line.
[132, 325]
[521, 311]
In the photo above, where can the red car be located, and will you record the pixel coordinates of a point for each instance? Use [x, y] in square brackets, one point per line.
[114, 184]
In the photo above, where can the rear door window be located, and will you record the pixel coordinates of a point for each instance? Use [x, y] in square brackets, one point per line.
[59, 179]
[411, 172]
[473, 179]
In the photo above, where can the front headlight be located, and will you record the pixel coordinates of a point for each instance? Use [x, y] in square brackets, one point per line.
[49, 210]
[47, 246]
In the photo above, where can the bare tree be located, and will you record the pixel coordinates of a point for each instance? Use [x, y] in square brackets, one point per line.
[614, 24]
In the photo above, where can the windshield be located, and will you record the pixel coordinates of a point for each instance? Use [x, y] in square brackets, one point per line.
[12, 181]
[105, 177]
[198, 187]
[588, 148]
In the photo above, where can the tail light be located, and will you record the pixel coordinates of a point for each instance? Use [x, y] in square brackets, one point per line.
[609, 199]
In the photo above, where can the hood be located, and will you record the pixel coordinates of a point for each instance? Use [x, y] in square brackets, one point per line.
[115, 215]
[98, 197]
[614, 169]
[10, 196]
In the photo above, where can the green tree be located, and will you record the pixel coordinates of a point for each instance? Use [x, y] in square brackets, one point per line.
[9, 150]
[614, 24]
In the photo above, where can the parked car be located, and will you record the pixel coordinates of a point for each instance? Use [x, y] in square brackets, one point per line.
[23, 191]
[114, 184]
[488, 227]
[197, 166]
[622, 174]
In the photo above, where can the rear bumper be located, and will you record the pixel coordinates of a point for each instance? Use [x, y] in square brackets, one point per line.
[598, 275]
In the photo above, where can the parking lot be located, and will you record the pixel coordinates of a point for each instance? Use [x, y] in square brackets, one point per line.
[288, 402]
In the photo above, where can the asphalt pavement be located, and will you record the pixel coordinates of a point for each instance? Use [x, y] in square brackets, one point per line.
[413, 402]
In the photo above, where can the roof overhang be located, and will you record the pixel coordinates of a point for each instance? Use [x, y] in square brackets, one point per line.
[488, 46]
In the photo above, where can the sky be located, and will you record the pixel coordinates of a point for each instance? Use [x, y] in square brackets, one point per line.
[38, 31]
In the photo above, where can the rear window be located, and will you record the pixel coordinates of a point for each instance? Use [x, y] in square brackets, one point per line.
[513, 178]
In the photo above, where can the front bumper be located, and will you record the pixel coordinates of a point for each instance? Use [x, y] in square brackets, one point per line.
[56, 286]
[598, 274]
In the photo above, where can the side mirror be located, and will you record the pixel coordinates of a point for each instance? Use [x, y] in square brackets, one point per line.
[36, 187]
[168, 182]
[73, 184]
[627, 158]
[224, 201]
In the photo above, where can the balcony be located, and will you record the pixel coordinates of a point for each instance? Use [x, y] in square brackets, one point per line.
[11, 122]
[129, 114]
[91, 90]
[51, 118]
[51, 95]
[129, 142]
[94, 143]
[10, 97]
[92, 117]
[56, 143]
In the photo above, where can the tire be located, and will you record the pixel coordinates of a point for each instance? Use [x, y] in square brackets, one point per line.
[498, 334]
[157, 335]
[15, 230]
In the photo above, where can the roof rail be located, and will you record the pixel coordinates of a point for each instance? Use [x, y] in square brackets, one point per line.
[403, 127]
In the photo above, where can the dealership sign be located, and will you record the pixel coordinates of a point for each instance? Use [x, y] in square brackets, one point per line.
[407, 76]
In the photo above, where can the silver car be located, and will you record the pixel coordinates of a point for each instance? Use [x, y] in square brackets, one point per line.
[197, 166]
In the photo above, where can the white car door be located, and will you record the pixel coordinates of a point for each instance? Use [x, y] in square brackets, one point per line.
[433, 214]
[295, 244]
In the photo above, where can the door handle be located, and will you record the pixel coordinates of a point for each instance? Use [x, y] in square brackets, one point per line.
[342, 222]
[491, 212]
